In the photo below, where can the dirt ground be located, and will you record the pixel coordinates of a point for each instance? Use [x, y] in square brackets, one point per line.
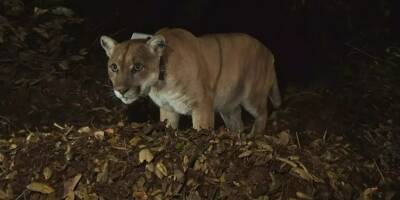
[64, 135]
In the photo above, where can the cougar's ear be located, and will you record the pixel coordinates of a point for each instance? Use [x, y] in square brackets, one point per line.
[108, 44]
[156, 44]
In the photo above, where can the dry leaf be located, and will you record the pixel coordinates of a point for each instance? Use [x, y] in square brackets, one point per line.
[109, 131]
[70, 195]
[263, 145]
[185, 163]
[287, 161]
[191, 182]
[47, 173]
[60, 10]
[13, 146]
[316, 143]
[84, 129]
[69, 186]
[301, 173]
[38, 11]
[40, 187]
[302, 195]
[99, 135]
[3, 195]
[11, 175]
[145, 155]
[94, 196]
[82, 191]
[67, 153]
[194, 195]
[245, 154]
[158, 197]
[265, 197]
[32, 137]
[139, 185]
[42, 32]
[102, 177]
[178, 175]
[237, 184]
[366, 195]
[156, 194]
[197, 165]
[283, 138]
[161, 170]
[136, 125]
[140, 195]
[222, 178]
[150, 167]
[135, 140]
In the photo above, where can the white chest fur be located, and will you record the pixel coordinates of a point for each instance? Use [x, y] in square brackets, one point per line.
[172, 100]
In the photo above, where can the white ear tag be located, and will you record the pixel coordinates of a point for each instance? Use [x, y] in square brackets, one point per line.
[140, 36]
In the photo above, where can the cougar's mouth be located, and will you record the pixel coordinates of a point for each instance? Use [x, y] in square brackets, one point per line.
[129, 96]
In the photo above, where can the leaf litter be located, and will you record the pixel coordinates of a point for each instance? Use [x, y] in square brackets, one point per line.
[177, 165]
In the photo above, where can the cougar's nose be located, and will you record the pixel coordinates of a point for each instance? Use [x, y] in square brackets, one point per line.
[122, 90]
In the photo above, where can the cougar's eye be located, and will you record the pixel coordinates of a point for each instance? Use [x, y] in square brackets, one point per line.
[114, 67]
[137, 67]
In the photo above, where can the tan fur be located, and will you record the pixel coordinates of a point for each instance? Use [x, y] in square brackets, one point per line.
[218, 72]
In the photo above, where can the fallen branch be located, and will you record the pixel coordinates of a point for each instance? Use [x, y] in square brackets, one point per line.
[365, 53]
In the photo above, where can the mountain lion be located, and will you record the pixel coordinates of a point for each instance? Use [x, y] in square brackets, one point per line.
[189, 75]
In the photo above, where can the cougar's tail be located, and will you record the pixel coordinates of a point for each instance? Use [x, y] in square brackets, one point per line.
[275, 95]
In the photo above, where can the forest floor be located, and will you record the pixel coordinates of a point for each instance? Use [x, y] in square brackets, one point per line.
[64, 135]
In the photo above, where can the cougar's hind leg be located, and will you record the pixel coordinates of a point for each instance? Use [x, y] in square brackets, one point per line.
[233, 119]
[257, 107]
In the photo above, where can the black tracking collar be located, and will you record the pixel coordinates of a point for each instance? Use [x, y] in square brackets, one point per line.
[161, 74]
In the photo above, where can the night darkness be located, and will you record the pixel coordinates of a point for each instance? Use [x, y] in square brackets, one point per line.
[307, 37]
[63, 132]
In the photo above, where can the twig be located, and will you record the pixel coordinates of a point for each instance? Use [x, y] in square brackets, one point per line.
[58, 126]
[21, 195]
[298, 140]
[69, 130]
[120, 148]
[324, 137]
[368, 54]
[379, 170]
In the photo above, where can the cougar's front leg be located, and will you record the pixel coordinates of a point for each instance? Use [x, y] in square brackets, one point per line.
[203, 116]
[171, 117]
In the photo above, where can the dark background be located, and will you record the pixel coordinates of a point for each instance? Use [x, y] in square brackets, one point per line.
[309, 38]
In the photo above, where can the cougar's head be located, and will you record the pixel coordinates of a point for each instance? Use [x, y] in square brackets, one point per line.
[133, 65]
